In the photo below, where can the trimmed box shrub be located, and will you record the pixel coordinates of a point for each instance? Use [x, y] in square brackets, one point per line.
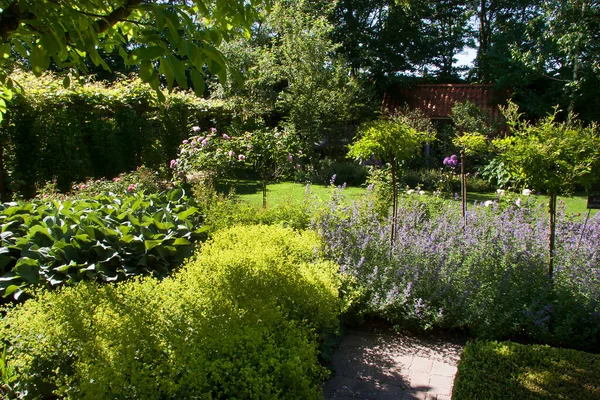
[506, 370]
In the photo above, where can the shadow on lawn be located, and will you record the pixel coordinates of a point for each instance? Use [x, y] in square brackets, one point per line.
[241, 187]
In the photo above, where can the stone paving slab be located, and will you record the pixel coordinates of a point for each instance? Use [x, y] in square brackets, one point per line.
[376, 363]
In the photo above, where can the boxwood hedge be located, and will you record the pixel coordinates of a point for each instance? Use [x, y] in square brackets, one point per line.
[506, 370]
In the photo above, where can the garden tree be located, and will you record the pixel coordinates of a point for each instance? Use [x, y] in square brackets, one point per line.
[158, 37]
[447, 31]
[500, 25]
[291, 72]
[550, 156]
[565, 47]
[385, 39]
[392, 141]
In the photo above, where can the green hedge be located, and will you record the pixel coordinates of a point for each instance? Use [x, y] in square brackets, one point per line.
[94, 129]
[241, 320]
[491, 370]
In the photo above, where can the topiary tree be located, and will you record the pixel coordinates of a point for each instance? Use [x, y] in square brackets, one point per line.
[392, 141]
[550, 156]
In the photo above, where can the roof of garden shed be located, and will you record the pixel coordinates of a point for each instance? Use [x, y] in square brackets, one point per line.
[436, 100]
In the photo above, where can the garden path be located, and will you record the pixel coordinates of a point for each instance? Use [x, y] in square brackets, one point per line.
[376, 363]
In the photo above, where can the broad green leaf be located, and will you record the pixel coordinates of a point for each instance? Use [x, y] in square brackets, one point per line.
[27, 269]
[187, 213]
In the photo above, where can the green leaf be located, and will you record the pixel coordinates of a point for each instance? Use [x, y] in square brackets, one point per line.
[178, 68]
[39, 61]
[5, 50]
[187, 213]
[198, 82]
[27, 269]
[66, 82]
[150, 244]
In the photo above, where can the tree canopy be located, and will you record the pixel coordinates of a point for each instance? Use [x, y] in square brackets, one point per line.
[175, 39]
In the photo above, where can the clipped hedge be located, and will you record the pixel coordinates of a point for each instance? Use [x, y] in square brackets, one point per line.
[506, 370]
[106, 238]
[241, 320]
[94, 129]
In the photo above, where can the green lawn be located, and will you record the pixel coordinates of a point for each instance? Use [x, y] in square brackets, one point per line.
[278, 193]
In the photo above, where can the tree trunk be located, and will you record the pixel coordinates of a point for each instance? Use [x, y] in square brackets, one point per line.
[463, 187]
[552, 235]
[573, 91]
[264, 192]
[394, 203]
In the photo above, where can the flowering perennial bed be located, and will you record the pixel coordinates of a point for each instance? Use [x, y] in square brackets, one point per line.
[489, 276]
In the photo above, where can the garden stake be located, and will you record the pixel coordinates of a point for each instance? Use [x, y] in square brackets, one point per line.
[582, 230]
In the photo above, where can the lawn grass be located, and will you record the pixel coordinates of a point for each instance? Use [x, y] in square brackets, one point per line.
[285, 192]
[491, 370]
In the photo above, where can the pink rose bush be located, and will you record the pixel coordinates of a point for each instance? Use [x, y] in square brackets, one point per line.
[273, 153]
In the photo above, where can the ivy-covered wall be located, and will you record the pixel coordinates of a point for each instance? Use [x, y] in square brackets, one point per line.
[92, 129]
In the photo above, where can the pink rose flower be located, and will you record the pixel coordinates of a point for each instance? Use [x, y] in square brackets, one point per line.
[226, 137]
[290, 157]
[185, 141]
[204, 142]
[231, 153]
[196, 128]
[213, 130]
[173, 164]
[241, 157]
[131, 188]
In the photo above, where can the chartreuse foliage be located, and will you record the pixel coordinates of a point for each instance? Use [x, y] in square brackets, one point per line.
[491, 370]
[107, 238]
[241, 320]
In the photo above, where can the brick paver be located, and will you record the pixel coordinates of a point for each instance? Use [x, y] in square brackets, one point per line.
[376, 363]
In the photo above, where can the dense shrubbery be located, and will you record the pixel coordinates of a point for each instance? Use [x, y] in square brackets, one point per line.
[105, 238]
[489, 276]
[243, 319]
[93, 130]
[489, 370]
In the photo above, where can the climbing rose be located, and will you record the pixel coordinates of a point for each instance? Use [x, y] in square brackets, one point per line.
[226, 136]
[241, 157]
[173, 163]
[231, 153]
[196, 128]
[131, 187]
